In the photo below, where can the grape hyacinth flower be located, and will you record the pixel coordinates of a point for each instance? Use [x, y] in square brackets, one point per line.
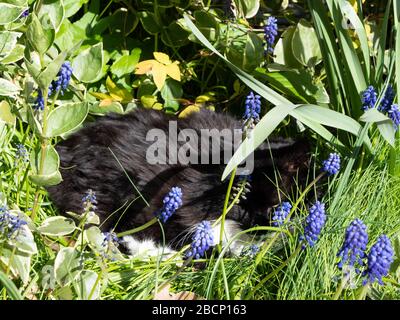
[63, 78]
[332, 164]
[89, 201]
[394, 114]
[280, 214]
[387, 100]
[10, 224]
[250, 251]
[355, 243]
[39, 103]
[314, 223]
[110, 237]
[253, 107]
[380, 258]
[172, 202]
[25, 13]
[369, 97]
[21, 153]
[270, 33]
[203, 239]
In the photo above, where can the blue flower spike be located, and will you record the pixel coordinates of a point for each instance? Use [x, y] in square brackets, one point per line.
[280, 214]
[172, 202]
[380, 258]
[10, 224]
[394, 114]
[368, 98]
[354, 245]
[387, 100]
[332, 164]
[203, 239]
[253, 107]
[270, 33]
[314, 223]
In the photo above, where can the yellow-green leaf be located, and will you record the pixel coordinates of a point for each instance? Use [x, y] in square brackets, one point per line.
[188, 110]
[5, 113]
[162, 57]
[173, 71]
[159, 74]
[144, 66]
[119, 94]
[100, 95]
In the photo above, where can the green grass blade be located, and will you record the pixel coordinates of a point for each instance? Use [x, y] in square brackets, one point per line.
[380, 65]
[12, 290]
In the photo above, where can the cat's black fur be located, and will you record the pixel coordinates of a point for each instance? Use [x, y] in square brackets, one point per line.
[87, 163]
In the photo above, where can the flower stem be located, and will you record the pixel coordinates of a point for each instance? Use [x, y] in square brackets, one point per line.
[363, 292]
[142, 227]
[341, 286]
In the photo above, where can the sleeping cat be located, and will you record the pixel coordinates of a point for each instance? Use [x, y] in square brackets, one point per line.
[103, 154]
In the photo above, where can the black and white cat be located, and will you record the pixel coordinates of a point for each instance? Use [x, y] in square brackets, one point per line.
[88, 163]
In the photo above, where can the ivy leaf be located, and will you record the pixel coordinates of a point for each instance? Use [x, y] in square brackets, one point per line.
[57, 226]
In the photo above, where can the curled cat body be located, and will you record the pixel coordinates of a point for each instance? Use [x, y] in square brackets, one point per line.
[114, 156]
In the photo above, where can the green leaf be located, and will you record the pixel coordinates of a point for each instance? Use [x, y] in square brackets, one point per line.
[8, 88]
[86, 285]
[283, 52]
[5, 113]
[332, 119]
[149, 22]
[65, 118]
[87, 66]
[126, 64]
[170, 92]
[72, 6]
[15, 55]
[50, 174]
[8, 41]
[20, 263]
[298, 84]
[24, 241]
[57, 226]
[67, 266]
[50, 72]
[54, 10]
[175, 35]
[69, 34]
[373, 115]
[387, 131]
[114, 106]
[246, 52]
[10, 12]
[250, 7]
[94, 237]
[40, 38]
[305, 46]
[12, 290]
